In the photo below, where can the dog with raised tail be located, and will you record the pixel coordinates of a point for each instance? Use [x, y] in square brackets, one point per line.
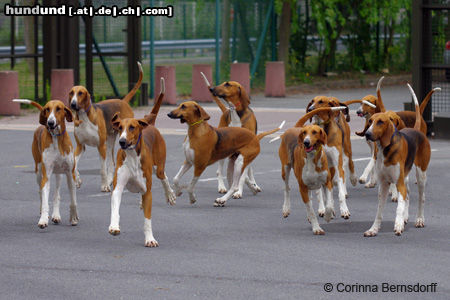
[205, 145]
[398, 150]
[142, 149]
[302, 148]
[53, 154]
[239, 114]
[93, 127]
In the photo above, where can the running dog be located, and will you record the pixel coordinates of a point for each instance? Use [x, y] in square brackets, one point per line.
[204, 145]
[398, 150]
[239, 114]
[142, 149]
[93, 127]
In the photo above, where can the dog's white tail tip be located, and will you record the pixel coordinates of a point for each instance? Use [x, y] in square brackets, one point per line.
[206, 79]
[437, 89]
[163, 85]
[275, 139]
[416, 102]
[379, 83]
[25, 101]
[339, 108]
[368, 103]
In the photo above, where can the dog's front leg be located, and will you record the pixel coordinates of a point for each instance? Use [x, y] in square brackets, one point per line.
[317, 230]
[103, 168]
[251, 183]
[399, 225]
[56, 216]
[221, 188]
[45, 191]
[176, 180]
[383, 190]
[287, 198]
[73, 199]
[237, 171]
[150, 241]
[122, 179]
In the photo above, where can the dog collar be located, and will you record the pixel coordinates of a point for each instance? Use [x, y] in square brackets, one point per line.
[195, 123]
[56, 134]
[89, 108]
[137, 143]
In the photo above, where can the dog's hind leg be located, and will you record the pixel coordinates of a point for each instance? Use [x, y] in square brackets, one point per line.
[221, 188]
[56, 216]
[393, 191]
[242, 179]
[287, 197]
[250, 181]
[73, 199]
[78, 152]
[176, 180]
[237, 170]
[421, 181]
[317, 230]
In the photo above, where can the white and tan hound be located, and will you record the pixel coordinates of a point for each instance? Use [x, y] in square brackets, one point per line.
[53, 154]
[142, 149]
[204, 145]
[398, 150]
[93, 127]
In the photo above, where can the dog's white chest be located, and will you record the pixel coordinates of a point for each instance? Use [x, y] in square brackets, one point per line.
[86, 132]
[136, 182]
[188, 151]
[332, 155]
[60, 164]
[235, 120]
[387, 173]
[311, 178]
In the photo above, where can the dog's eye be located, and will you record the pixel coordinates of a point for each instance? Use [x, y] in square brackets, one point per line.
[120, 127]
[58, 109]
[227, 84]
[131, 128]
[320, 102]
[71, 93]
[80, 93]
[370, 121]
[380, 122]
[314, 132]
[183, 106]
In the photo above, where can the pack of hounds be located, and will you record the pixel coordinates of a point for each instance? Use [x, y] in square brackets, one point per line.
[319, 153]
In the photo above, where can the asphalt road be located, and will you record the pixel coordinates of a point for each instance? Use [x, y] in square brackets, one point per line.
[243, 251]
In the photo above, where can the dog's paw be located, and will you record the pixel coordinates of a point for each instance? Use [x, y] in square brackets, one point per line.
[114, 230]
[42, 224]
[321, 212]
[318, 231]
[420, 223]
[254, 188]
[170, 197]
[362, 180]
[370, 233]
[345, 214]
[151, 243]
[56, 219]
[237, 195]
[192, 198]
[394, 199]
[222, 190]
[370, 185]
[219, 202]
[74, 220]
[286, 213]
[329, 214]
[78, 182]
[106, 188]
[353, 179]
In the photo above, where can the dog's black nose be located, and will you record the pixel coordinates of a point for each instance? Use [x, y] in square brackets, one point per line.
[170, 115]
[122, 143]
[51, 123]
[368, 135]
[73, 105]
[306, 143]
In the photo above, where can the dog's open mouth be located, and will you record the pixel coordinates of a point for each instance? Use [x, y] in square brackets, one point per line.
[309, 149]
[360, 114]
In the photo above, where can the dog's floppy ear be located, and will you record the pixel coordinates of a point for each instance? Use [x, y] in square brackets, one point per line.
[323, 137]
[202, 113]
[43, 116]
[245, 99]
[385, 139]
[142, 122]
[309, 105]
[115, 121]
[301, 136]
[69, 116]
[346, 111]
[363, 132]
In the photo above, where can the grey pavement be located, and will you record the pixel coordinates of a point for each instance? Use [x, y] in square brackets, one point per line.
[243, 251]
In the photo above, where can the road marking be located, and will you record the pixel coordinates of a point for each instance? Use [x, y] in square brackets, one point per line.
[21, 166]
